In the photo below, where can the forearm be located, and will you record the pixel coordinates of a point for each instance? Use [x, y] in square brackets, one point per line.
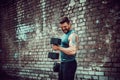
[68, 51]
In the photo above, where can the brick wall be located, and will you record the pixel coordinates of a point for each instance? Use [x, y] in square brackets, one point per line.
[26, 27]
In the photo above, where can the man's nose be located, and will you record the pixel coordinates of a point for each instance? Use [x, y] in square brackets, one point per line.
[63, 28]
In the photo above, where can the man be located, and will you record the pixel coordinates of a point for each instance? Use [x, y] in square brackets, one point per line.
[68, 49]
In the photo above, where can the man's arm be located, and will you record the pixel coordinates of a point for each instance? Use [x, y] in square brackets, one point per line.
[73, 45]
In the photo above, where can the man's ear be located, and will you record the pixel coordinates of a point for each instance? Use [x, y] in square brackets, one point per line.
[69, 25]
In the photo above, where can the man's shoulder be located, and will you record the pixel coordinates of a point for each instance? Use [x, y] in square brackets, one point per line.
[73, 33]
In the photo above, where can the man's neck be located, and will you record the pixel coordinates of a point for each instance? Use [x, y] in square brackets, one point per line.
[68, 31]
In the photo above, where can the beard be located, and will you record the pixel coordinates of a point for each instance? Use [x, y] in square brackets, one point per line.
[66, 31]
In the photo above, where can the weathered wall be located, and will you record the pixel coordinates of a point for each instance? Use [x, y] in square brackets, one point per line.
[26, 27]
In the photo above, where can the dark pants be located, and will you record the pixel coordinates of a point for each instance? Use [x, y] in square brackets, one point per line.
[67, 70]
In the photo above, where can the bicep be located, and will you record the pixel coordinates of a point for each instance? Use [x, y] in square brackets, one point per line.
[73, 40]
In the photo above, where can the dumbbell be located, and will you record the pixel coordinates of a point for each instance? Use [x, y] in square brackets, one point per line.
[54, 55]
[55, 41]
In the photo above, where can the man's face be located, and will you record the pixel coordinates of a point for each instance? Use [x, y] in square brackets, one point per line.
[65, 27]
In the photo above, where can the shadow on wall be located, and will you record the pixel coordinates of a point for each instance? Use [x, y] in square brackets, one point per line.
[106, 59]
[112, 60]
[3, 74]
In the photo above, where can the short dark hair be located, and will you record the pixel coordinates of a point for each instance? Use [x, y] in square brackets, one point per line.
[64, 19]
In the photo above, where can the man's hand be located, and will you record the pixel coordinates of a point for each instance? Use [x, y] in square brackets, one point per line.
[55, 47]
